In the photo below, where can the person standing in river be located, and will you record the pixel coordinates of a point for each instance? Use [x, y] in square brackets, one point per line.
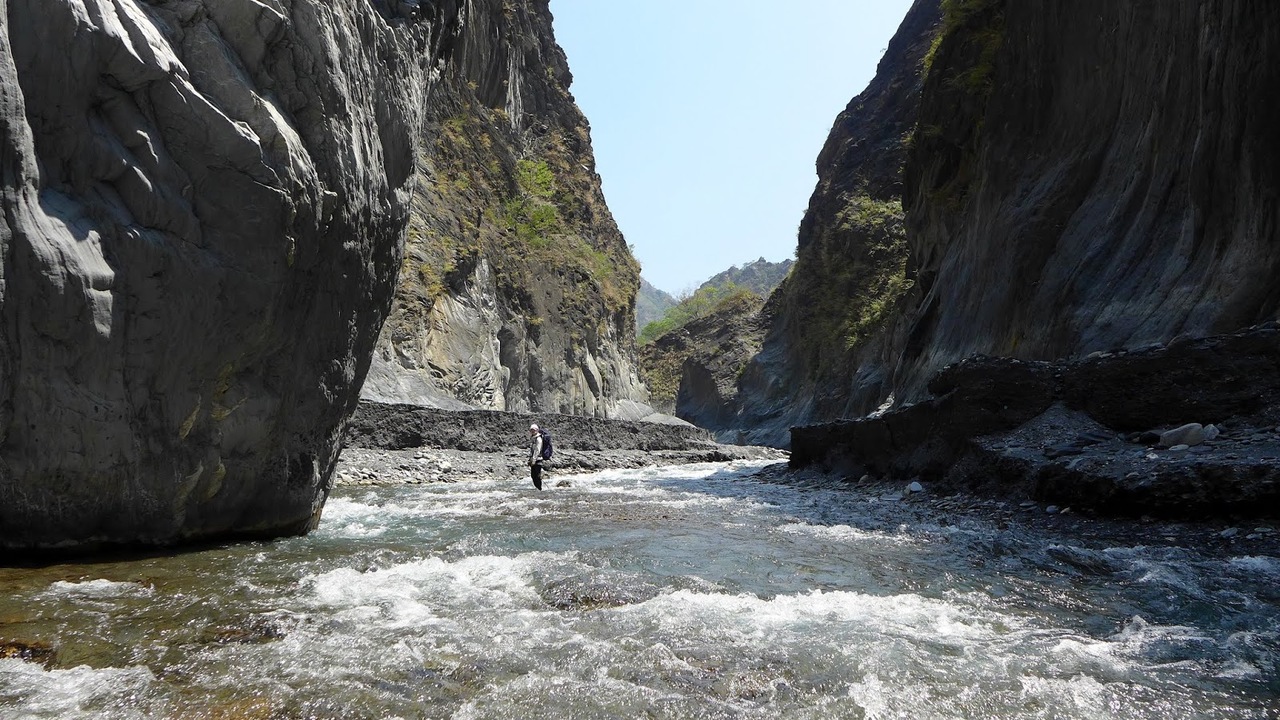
[537, 444]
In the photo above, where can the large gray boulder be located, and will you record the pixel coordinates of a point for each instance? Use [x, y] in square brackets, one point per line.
[204, 204]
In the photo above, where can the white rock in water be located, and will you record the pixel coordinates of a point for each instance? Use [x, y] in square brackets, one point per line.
[1052, 510]
[1229, 533]
[445, 466]
[1189, 434]
[1180, 448]
[915, 487]
[1211, 432]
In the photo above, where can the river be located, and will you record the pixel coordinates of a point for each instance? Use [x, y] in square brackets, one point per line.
[687, 592]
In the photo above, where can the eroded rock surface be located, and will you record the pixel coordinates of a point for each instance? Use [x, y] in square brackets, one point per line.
[1086, 433]
[517, 291]
[204, 209]
[1093, 176]
[1037, 180]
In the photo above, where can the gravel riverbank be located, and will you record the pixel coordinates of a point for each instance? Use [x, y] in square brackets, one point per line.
[401, 444]
[396, 444]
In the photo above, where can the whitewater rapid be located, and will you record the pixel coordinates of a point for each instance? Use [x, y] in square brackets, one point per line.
[690, 592]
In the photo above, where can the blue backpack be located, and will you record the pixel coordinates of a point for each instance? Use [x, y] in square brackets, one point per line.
[546, 444]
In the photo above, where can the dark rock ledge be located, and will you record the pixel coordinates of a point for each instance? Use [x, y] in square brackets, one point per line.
[1087, 434]
[394, 444]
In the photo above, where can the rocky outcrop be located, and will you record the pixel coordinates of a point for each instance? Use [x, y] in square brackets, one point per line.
[692, 370]
[517, 291]
[1092, 176]
[759, 276]
[1037, 180]
[204, 205]
[1182, 430]
[691, 359]
[191, 210]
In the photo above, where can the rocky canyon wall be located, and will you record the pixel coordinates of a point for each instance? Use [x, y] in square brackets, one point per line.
[204, 206]
[832, 327]
[208, 206]
[1091, 176]
[517, 291]
[1038, 180]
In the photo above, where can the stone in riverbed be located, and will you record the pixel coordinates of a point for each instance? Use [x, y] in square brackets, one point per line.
[1146, 438]
[1189, 434]
[1057, 451]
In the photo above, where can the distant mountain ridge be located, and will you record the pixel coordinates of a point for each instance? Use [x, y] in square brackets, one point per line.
[760, 277]
[652, 304]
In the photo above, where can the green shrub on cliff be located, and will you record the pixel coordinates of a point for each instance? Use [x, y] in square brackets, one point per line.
[530, 212]
[714, 320]
[700, 304]
[535, 178]
[848, 282]
[535, 214]
[959, 13]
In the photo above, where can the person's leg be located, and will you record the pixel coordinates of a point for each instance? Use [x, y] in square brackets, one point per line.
[536, 471]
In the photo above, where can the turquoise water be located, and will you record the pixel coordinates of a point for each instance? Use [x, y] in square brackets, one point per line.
[689, 592]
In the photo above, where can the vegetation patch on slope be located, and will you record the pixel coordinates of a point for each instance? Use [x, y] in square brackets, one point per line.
[707, 300]
[848, 282]
[692, 329]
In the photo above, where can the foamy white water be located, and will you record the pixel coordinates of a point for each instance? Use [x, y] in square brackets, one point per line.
[671, 593]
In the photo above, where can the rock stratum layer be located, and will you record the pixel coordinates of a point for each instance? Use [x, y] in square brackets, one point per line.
[1036, 180]
[518, 292]
[1179, 431]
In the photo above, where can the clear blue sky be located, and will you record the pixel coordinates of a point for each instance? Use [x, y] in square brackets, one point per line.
[707, 116]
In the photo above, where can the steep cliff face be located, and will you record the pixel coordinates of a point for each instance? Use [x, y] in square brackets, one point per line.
[517, 291]
[205, 211]
[1093, 175]
[204, 204]
[1039, 180]
[202, 225]
[831, 325]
